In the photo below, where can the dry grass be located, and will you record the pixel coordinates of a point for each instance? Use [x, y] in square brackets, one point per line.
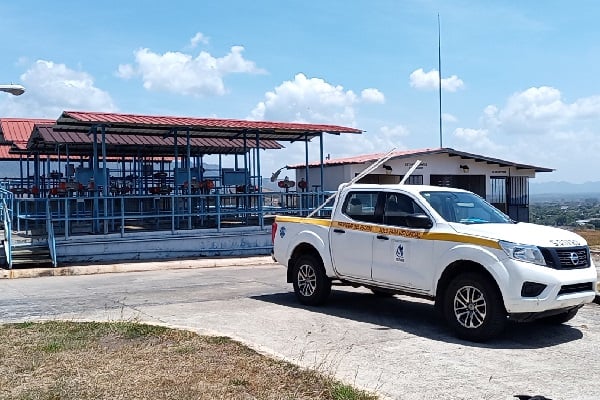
[126, 360]
[592, 237]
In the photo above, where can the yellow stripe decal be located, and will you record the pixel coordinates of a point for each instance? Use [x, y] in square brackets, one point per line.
[414, 234]
[389, 230]
[303, 220]
[461, 238]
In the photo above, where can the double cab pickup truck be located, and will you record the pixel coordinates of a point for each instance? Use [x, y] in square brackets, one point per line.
[448, 245]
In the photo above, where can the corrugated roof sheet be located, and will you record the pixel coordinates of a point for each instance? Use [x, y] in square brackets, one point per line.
[18, 130]
[364, 158]
[5, 155]
[198, 127]
[45, 139]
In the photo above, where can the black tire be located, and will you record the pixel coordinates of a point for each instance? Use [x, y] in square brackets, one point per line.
[559, 318]
[311, 285]
[473, 308]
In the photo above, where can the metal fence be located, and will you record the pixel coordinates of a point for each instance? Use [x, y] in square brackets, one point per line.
[96, 214]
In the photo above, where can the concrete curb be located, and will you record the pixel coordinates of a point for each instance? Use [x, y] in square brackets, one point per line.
[136, 267]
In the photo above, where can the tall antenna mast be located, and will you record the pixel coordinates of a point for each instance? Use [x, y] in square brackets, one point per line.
[440, 76]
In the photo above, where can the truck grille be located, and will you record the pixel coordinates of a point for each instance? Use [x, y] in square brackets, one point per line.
[567, 257]
[576, 288]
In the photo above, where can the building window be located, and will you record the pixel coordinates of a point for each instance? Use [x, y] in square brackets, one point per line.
[413, 180]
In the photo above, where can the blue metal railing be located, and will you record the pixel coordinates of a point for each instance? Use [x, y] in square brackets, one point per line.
[51, 238]
[6, 203]
[129, 213]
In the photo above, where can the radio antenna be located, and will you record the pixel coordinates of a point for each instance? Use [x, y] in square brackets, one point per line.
[440, 76]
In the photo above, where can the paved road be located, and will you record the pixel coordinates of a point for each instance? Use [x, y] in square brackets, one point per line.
[396, 347]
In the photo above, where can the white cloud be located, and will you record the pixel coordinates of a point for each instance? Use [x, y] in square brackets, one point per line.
[537, 126]
[420, 79]
[182, 73]
[197, 39]
[308, 100]
[126, 71]
[53, 88]
[313, 100]
[540, 110]
[372, 95]
[477, 140]
[449, 118]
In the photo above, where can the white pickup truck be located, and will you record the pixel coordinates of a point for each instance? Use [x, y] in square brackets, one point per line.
[448, 245]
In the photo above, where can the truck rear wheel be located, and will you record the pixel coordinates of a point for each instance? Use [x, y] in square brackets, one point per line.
[473, 308]
[311, 285]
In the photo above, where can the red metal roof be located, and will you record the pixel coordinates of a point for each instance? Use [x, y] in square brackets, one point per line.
[5, 155]
[361, 159]
[205, 127]
[18, 130]
[45, 139]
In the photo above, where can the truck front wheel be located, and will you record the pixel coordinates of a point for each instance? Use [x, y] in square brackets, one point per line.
[311, 285]
[473, 308]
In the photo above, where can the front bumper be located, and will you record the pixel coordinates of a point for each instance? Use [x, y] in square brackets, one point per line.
[526, 317]
[555, 298]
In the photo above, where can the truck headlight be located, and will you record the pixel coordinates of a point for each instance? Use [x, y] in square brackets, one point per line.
[523, 252]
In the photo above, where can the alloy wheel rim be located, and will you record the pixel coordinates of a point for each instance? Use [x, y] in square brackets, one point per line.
[307, 280]
[470, 307]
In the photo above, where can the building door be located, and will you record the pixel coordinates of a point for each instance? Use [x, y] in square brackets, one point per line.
[517, 190]
[498, 193]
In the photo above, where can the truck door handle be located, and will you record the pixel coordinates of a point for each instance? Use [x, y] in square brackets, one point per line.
[339, 231]
[383, 237]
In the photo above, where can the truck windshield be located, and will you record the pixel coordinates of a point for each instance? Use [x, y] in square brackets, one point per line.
[465, 208]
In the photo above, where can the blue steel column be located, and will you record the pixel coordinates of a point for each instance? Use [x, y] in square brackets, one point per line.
[189, 177]
[21, 168]
[104, 171]
[175, 188]
[96, 226]
[261, 220]
[36, 171]
[247, 204]
[67, 212]
[68, 159]
[176, 167]
[322, 195]
[28, 172]
[304, 199]
[106, 180]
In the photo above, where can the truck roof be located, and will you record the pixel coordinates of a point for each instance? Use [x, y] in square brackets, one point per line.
[407, 188]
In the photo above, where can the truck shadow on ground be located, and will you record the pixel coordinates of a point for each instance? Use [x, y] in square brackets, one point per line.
[419, 318]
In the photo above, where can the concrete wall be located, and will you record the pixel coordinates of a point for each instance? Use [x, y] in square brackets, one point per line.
[164, 245]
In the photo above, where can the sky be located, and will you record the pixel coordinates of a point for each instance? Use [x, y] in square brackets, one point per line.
[519, 78]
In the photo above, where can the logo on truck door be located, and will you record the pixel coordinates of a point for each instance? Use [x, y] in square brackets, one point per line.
[400, 253]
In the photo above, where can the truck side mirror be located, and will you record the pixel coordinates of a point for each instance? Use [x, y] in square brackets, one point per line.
[419, 221]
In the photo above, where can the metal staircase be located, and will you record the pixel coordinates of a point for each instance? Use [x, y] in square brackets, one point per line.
[26, 255]
[24, 251]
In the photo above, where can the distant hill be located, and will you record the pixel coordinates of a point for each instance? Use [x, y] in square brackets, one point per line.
[563, 187]
[556, 191]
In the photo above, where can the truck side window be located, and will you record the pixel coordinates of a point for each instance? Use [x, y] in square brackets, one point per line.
[397, 207]
[360, 206]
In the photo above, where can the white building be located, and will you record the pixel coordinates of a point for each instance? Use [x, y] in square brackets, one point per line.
[503, 183]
